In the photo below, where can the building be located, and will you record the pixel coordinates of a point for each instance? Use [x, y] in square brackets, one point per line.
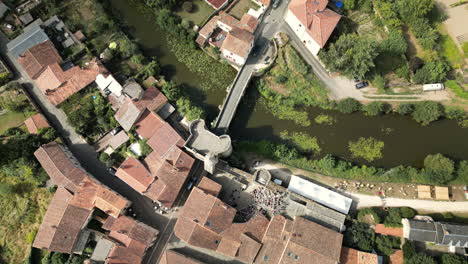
[110, 142]
[33, 34]
[353, 256]
[234, 38]
[396, 257]
[443, 234]
[319, 194]
[299, 241]
[36, 122]
[217, 4]
[389, 231]
[312, 22]
[110, 83]
[173, 257]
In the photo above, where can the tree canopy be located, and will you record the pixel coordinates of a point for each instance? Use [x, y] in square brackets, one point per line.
[367, 148]
[439, 169]
[426, 112]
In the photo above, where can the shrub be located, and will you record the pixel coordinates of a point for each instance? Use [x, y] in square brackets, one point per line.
[5, 77]
[187, 6]
[405, 109]
[439, 169]
[368, 211]
[348, 105]
[462, 172]
[379, 82]
[432, 72]
[359, 235]
[403, 72]
[395, 44]
[426, 112]
[366, 148]
[302, 141]
[393, 218]
[349, 4]
[453, 112]
[420, 259]
[324, 119]
[452, 259]
[407, 212]
[145, 148]
[281, 79]
[385, 244]
[185, 24]
[376, 108]
[295, 62]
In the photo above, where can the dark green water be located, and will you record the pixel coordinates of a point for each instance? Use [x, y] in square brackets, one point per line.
[407, 142]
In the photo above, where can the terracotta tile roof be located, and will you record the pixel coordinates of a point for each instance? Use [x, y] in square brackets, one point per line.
[110, 202]
[396, 257]
[228, 20]
[265, 2]
[113, 141]
[216, 4]
[36, 122]
[304, 243]
[238, 41]
[249, 22]
[125, 229]
[319, 21]
[123, 255]
[134, 173]
[152, 99]
[61, 169]
[209, 186]
[35, 59]
[248, 249]
[62, 224]
[209, 27]
[172, 257]
[353, 256]
[128, 114]
[148, 124]
[59, 85]
[391, 231]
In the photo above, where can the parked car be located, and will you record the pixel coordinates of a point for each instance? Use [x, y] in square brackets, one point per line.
[9, 26]
[362, 85]
[107, 92]
[276, 3]
[116, 130]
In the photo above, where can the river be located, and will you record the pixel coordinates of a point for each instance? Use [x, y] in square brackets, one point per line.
[406, 142]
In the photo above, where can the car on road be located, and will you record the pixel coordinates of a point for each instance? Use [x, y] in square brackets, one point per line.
[361, 85]
[276, 3]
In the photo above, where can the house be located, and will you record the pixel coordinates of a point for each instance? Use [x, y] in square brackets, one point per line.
[131, 239]
[32, 35]
[234, 38]
[79, 35]
[312, 22]
[173, 257]
[26, 18]
[135, 174]
[217, 4]
[109, 143]
[389, 231]
[299, 241]
[133, 90]
[35, 59]
[207, 222]
[36, 122]
[396, 257]
[353, 256]
[443, 234]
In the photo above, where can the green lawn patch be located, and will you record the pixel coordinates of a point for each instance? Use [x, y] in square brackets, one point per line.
[201, 11]
[457, 89]
[242, 7]
[451, 52]
[12, 119]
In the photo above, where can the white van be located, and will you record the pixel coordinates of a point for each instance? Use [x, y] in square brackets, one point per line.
[433, 87]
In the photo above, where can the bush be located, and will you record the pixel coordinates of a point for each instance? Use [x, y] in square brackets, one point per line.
[5, 77]
[187, 6]
[185, 24]
[302, 141]
[376, 108]
[405, 109]
[439, 169]
[324, 119]
[432, 72]
[452, 259]
[426, 112]
[395, 44]
[295, 62]
[368, 211]
[462, 172]
[385, 244]
[403, 72]
[349, 4]
[360, 236]
[379, 82]
[453, 112]
[281, 79]
[366, 148]
[348, 105]
[420, 259]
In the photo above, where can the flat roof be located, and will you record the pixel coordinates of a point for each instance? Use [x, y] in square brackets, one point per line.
[320, 194]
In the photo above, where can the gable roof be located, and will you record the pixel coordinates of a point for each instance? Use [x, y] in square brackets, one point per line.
[32, 35]
[316, 18]
[216, 4]
[61, 169]
[353, 256]
[153, 99]
[36, 58]
[172, 257]
[134, 173]
[238, 41]
[127, 114]
[249, 22]
[62, 223]
[209, 186]
[36, 122]
[391, 231]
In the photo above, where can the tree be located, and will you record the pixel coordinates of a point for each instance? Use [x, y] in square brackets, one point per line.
[393, 218]
[58, 258]
[352, 55]
[359, 235]
[366, 148]
[426, 112]
[395, 44]
[411, 9]
[151, 69]
[6, 189]
[420, 259]
[426, 35]
[415, 64]
[452, 259]
[376, 108]
[405, 109]
[385, 244]
[348, 105]
[462, 172]
[187, 6]
[145, 148]
[432, 72]
[438, 169]
[171, 91]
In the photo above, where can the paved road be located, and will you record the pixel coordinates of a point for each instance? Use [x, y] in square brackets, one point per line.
[142, 206]
[271, 24]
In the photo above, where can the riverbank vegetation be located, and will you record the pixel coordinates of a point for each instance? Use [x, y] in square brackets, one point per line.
[437, 168]
[367, 148]
[23, 195]
[324, 119]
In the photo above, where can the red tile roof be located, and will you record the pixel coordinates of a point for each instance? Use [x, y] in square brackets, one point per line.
[148, 124]
[238, 41]
[249, 22]
[35, 59]
[396, 257]
[62, 223]
[134, 173]
[216, 4]
[59, 166]
[153, 100]
[209, 186]
[353, 256]
[36, 122]
[172, 257]
[265, 2]
[391, 231]
[319, 21]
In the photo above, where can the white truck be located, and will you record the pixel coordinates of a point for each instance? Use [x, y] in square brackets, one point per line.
[433, 87]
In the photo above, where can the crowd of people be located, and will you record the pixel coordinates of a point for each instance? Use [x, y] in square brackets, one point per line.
[272, 201]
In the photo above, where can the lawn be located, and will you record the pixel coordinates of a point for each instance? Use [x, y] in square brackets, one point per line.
[241, 7]
[451, 52]
[12, 119]
[201, 11]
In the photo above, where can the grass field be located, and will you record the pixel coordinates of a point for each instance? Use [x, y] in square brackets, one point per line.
[242, 7]
[201, 11]
[12, 119]
[451, 52]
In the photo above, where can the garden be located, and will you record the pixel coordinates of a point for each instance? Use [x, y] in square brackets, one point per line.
[196, 12]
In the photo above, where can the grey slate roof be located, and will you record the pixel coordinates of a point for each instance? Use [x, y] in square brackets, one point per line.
[26, 18]
[133, 90]
[422, 231]
[439, 233]
[32, 35]
[3, 9]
